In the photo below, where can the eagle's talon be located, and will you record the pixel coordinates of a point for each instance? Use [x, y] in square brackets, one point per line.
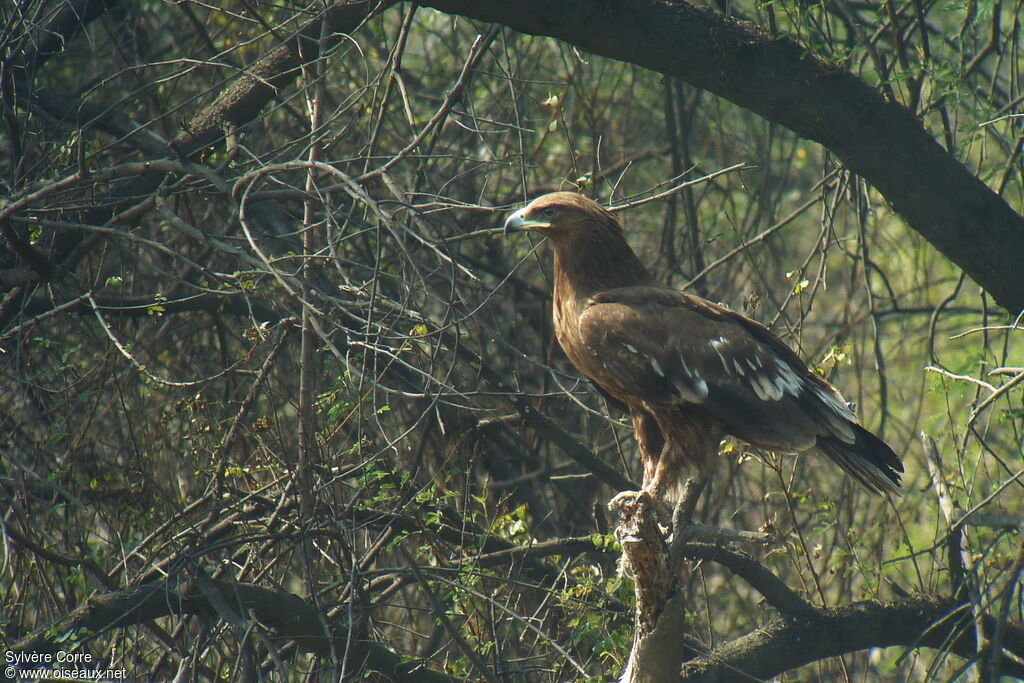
[625, 502]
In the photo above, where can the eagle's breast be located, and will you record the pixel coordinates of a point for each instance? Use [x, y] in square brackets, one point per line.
[566, 311]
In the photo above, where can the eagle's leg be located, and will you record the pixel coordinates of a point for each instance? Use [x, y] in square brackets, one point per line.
[665, 479]
[660, 448]
[653, 449]
[663, 473]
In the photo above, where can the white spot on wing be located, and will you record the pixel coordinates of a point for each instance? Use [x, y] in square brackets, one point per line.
[631, 348]
[715, 344]
[765, 389]
[739, 368]
[701, 389]
[755, 384]
[835, 404]
[657, 367]
[788, 380]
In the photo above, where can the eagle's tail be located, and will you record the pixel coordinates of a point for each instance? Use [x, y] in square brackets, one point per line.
[868, 459]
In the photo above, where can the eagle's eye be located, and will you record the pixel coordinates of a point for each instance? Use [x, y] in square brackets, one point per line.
[548, 212]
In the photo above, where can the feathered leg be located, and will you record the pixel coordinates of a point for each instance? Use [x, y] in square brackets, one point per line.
[673, 444]
[651, 445]
[664, 468]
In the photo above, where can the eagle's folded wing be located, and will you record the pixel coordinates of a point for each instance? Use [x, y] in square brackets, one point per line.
[663, 346]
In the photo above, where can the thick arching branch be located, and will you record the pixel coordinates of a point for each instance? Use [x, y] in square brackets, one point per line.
[289, 614]
[787, 643]
[286, 614]
[774, 77]
[774, 589]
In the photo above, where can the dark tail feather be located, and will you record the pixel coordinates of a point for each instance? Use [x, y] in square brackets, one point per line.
[869, 460]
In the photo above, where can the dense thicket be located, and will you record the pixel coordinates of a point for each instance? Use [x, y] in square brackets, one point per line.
[278, 400]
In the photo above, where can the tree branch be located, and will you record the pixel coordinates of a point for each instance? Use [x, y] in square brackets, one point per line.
[658, 645]
[242, 101]
[787, 643]
[237, 105]
[72, 17]
[771, 587]
[571, 446]
[288, 615]
[778, 79]
[141, 306]
[802, 635]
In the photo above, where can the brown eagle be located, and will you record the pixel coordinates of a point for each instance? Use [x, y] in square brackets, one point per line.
[687, 370]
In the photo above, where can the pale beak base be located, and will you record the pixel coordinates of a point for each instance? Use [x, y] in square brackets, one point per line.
[520, 221]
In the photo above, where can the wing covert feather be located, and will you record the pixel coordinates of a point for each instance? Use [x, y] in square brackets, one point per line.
[660, 345]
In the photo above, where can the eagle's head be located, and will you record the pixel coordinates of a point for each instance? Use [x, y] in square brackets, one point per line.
[566, 218]
[590, 249]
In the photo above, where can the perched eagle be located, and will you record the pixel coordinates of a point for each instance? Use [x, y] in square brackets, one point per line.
[688, 371]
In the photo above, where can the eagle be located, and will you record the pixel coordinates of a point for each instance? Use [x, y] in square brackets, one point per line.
[687, 371]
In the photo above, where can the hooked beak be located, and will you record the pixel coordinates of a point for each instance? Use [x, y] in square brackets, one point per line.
[520, 221]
